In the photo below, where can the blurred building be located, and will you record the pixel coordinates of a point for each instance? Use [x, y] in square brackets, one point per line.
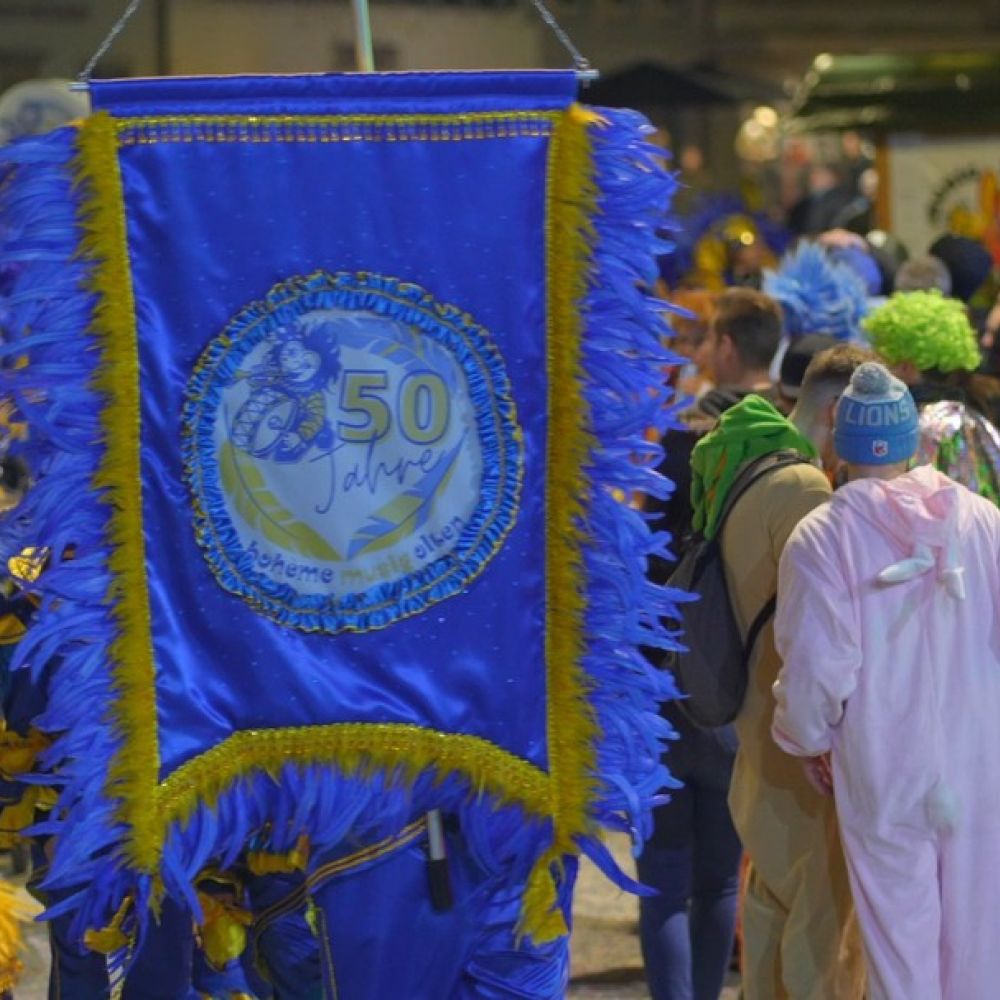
[696, 67]
[774, 39]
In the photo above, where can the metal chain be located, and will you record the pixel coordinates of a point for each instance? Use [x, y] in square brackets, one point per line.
[84, 76]
[579, 60]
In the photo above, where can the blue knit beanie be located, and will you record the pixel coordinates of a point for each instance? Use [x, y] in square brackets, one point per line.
[876, 419]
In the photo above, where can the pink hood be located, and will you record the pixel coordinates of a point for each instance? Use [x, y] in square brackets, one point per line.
[919, 512]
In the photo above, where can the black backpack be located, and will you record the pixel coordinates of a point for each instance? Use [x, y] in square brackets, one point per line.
[712, 672]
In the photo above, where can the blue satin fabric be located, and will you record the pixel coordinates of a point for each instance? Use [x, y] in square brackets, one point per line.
[212, 226]
[338, 93]
[404, 947]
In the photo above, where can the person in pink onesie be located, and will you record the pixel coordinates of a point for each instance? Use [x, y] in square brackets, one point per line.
[888, 625]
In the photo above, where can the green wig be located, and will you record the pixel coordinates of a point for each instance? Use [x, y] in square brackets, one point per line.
[926, 329]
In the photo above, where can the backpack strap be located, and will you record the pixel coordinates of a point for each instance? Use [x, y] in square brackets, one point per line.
[750, 473]
[758, 623]
[747, 476]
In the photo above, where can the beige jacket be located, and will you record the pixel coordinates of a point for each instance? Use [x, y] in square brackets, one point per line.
[779, 816]
[800, 936]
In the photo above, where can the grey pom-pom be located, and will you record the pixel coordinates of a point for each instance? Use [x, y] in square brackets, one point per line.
[871, 379]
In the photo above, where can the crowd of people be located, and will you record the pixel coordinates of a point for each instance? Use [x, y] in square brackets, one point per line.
[840, 822]
[837, 836]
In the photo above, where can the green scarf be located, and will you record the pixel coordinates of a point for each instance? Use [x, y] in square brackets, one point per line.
[751, 428]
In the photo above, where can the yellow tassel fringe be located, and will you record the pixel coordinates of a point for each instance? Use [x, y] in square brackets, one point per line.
[135, 770]
[16, 907]
[18, 753]
[572, 724]
[355, 748]
[223, 931]
[267, 863]
[111, 938]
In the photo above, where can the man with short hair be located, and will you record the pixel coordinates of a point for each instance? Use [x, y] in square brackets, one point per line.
[743, 339]
[799, 937]
[922, 274]
[889, 628]
[796, 359]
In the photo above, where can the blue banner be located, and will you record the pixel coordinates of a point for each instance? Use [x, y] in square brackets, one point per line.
[371, 365]
[359, 377]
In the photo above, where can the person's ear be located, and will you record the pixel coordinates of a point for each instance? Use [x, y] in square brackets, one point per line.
[831, 412]
[724, 346]
[906, 371]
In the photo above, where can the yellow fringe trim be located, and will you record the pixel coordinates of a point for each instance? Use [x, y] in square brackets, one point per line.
[16, 429]
[16, 907]
[572, 724]
[356, 748]
[111, 938]
[12, 630]
[17, 752]
[28, 564]
[17, 757]
[246, 122]
[268, 863]
[335, 128]
[9, 977]
[136, 768]
[223, 931]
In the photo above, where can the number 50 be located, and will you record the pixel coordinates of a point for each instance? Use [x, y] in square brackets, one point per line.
[422, 406]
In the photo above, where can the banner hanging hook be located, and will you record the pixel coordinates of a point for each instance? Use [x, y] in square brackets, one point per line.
[363, 42]
[83, 78]
[584, 71]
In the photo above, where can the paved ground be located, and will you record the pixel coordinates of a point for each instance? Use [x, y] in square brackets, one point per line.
[606, 964]
[605, 959]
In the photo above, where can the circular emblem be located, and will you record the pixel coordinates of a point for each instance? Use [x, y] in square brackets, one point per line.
[353, 451]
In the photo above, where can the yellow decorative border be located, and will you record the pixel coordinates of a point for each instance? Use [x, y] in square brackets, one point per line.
[572, 722]
[335, 128]
[149, 807]
[572, 195]
[357, 748]
[136, 768]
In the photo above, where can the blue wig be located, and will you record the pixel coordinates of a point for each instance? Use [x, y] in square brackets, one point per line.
[817, 294]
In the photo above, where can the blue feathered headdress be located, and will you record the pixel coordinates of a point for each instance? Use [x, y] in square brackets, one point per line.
[707, 214]
[817, 294]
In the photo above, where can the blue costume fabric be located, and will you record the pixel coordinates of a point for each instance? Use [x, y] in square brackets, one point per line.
[468, 950]
[334, 499]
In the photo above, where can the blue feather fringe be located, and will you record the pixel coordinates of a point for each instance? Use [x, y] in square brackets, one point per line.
[47, 314]
[623, 360]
